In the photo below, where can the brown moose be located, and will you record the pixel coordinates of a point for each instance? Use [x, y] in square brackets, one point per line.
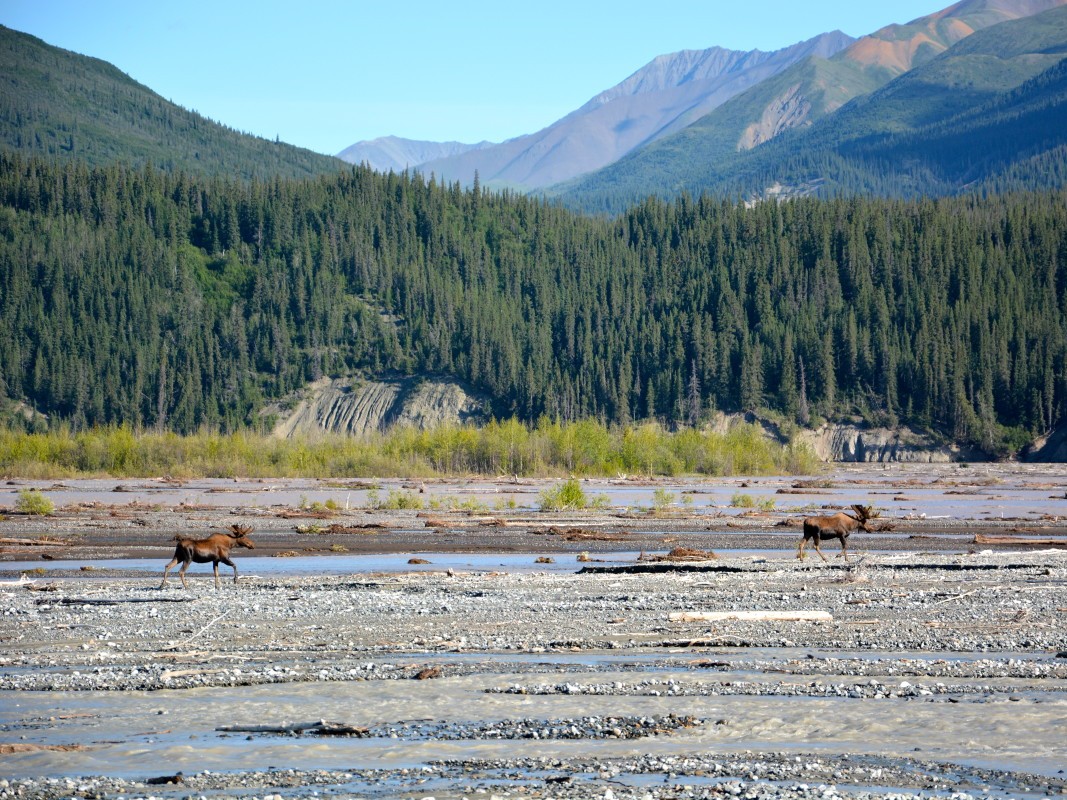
[834, 526]
[214, 548]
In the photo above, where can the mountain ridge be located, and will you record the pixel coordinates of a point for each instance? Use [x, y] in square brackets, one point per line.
[663, 96]
[704, 155]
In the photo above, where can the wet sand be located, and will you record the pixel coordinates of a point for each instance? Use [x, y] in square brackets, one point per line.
[938, 666]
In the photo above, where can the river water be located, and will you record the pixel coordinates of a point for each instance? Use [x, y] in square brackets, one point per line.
[134, 733]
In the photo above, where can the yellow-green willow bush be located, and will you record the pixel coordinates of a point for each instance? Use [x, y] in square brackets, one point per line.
[587, 448]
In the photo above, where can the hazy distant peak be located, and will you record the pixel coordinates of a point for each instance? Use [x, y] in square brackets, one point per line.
[685, 66]
[397, 154]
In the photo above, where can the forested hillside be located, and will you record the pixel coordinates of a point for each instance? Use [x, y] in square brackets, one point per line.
[60, 104]
[163, 300]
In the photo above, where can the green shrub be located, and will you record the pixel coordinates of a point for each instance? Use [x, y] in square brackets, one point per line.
[599, 502]
[31, 501]
[401, 499]
[662, 500]
[741, 500]
[567, 496]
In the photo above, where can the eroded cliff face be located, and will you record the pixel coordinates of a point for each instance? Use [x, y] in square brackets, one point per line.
[1048, 448]
[854, 443]
[354, 406]
[857, 443]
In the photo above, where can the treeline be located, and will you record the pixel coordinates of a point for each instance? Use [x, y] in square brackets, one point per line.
[160, 300]
[584, 448]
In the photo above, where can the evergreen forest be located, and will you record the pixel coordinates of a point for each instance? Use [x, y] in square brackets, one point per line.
[179, 302]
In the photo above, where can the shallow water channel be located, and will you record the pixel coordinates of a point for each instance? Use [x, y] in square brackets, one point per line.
[135, 734]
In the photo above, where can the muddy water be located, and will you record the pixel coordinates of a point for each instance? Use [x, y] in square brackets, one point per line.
[131, 733]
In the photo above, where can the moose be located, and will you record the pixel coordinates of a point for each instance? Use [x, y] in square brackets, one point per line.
[214, 548]
[834, 526]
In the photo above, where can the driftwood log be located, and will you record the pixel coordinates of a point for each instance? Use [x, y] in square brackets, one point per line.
[986, 538]
[320, 728]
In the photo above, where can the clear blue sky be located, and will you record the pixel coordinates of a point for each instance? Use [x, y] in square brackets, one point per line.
[324, 74]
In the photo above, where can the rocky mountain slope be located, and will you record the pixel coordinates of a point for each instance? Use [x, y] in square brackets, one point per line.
[727, 151]
[664, 96]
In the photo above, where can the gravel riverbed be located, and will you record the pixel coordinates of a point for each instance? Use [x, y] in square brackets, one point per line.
[934, 669]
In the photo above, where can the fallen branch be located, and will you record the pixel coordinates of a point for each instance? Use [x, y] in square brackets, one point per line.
[359, 527]
[168, 674]
[682, 554]
[22, 581]
[193, 636]
[719, 616]
[33, 542]
[967, 594]
[580, 535]
[100, 601]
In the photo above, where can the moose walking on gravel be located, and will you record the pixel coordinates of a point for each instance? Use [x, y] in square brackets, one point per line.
[834, 526]
[213, 549]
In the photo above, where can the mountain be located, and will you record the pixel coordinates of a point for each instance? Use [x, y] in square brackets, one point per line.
[664, 96]
[394, 153]
[970, 118]
[735, 148]
[61, 104]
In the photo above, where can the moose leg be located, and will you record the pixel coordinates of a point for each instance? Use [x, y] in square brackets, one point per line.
[229, 563]
[800, 548]
[215, 566]
[844, 547]
[818, 549]
[181, 574]
[167, 569]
